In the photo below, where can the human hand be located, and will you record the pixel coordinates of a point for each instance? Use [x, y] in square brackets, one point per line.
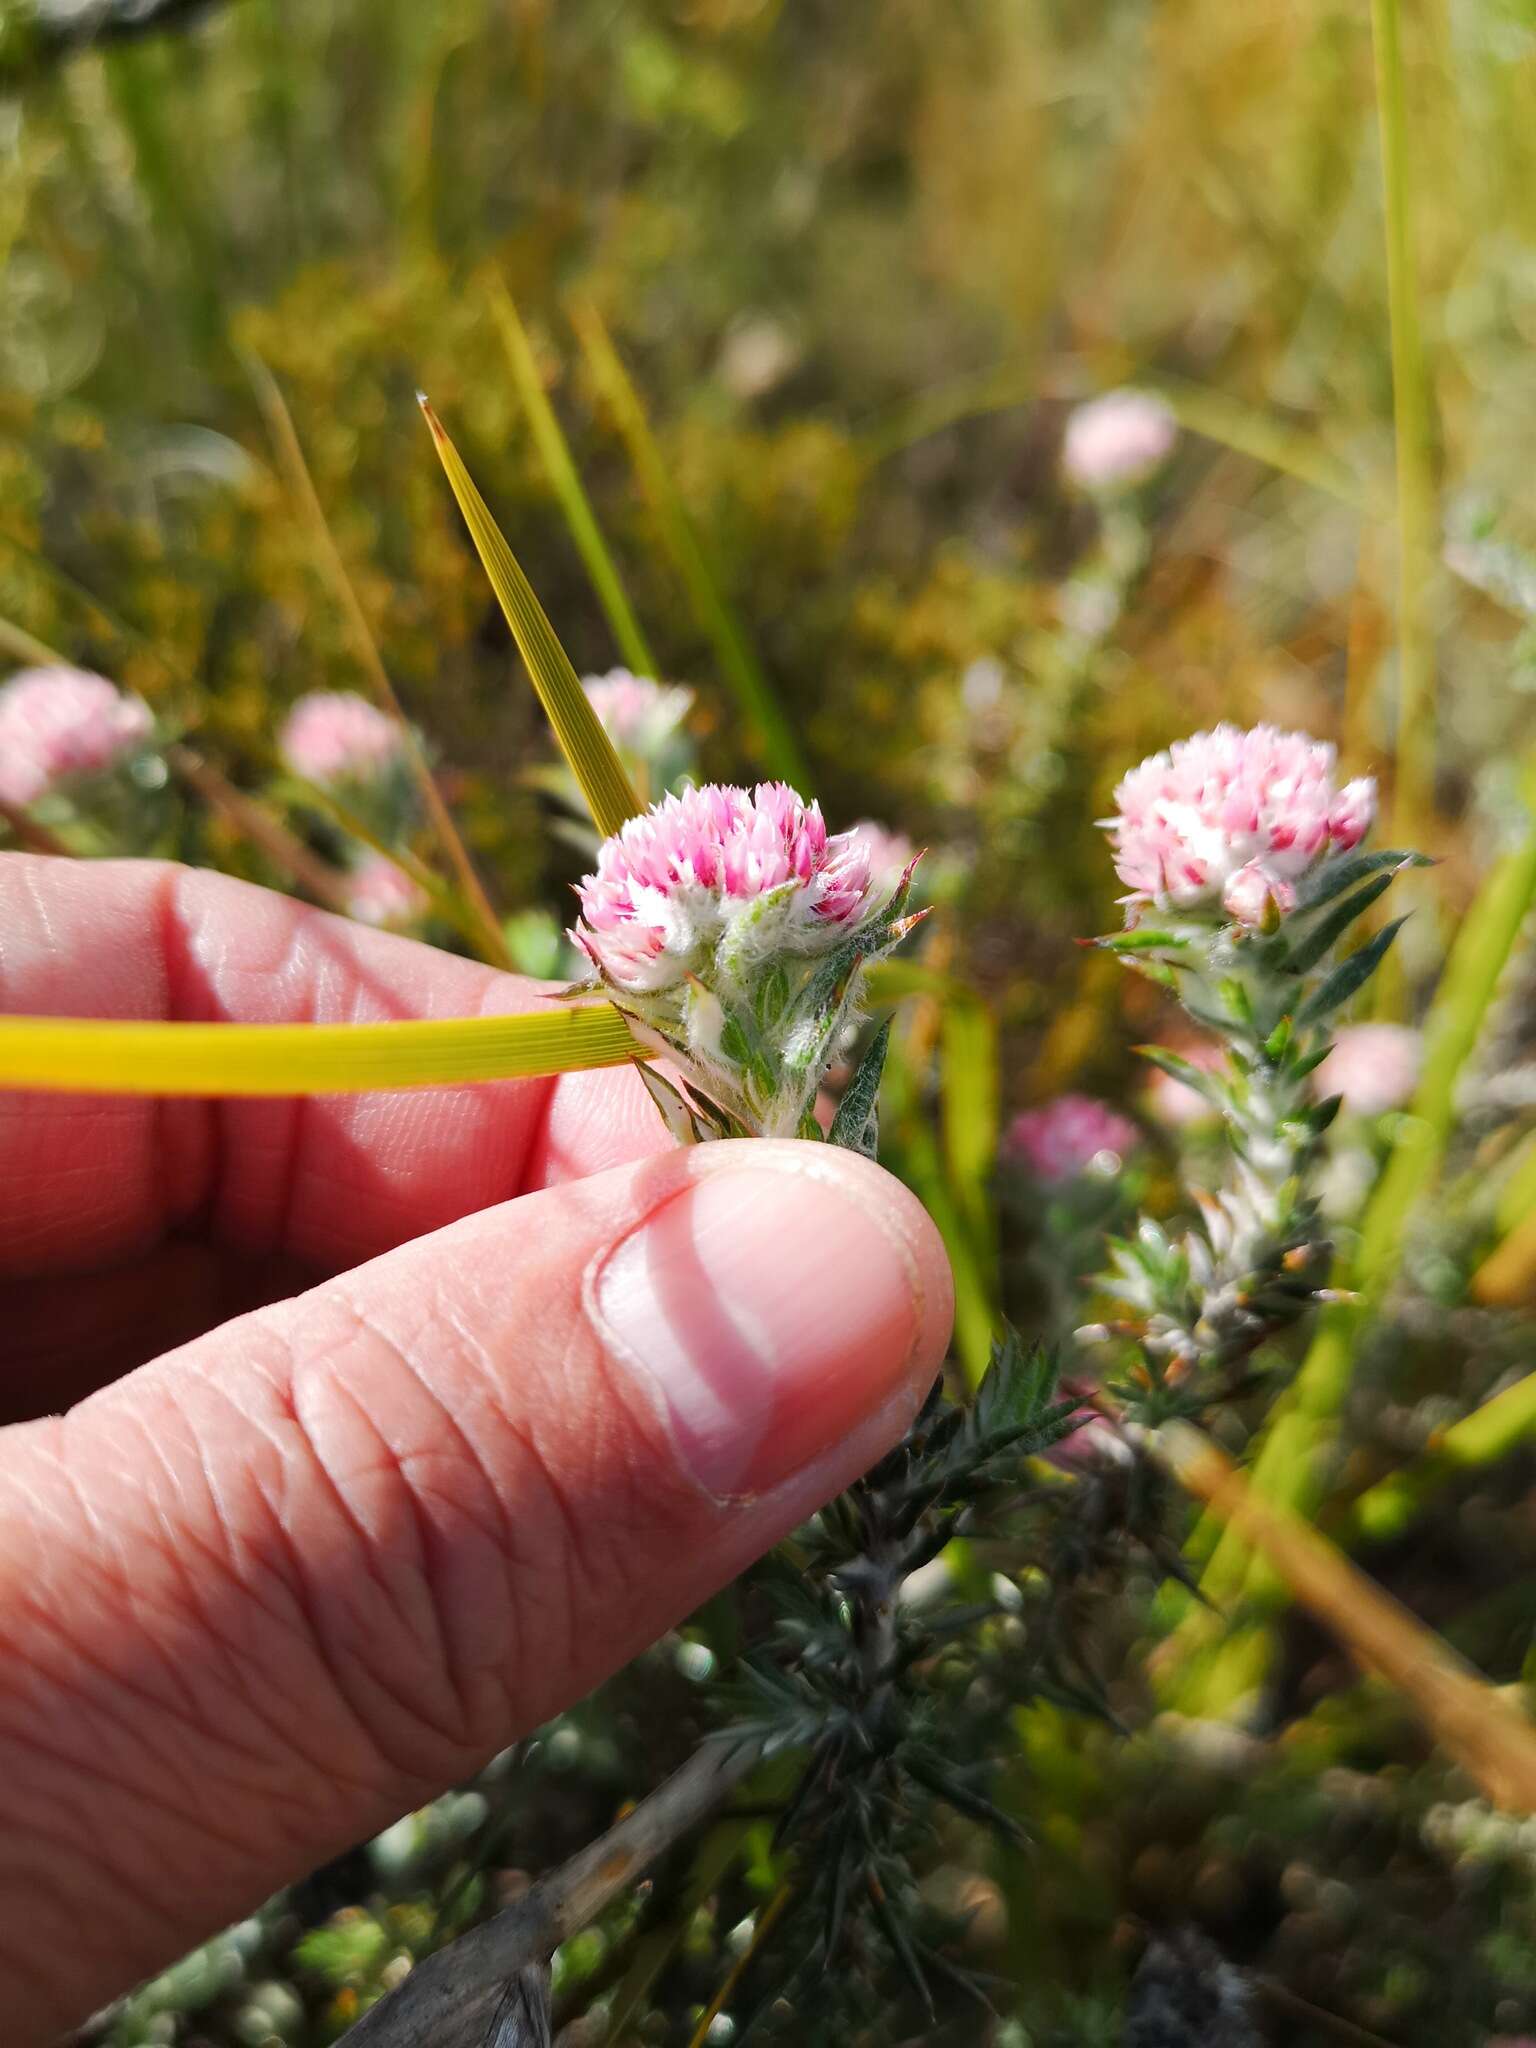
[290, 1578]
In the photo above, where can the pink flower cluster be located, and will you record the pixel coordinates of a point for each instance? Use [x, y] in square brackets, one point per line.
[1117, 440]
[636, 713]
[1375, 1067]
[382, 893]
[63, 725]
[334, 736]
[1063, 1137]
[715, 861]
[1233, 818]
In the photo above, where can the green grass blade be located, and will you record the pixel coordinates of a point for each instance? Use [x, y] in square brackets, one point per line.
[89, 1056]
[1413, 791]
[969, 1094]
[739, 664]
[301, 485]
[910, 1146]
[23, 646]
[1500, 1426]
[565, 482]
[599, 772]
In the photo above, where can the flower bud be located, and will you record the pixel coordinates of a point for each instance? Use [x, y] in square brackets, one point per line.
[1230, 821]
[732, 928]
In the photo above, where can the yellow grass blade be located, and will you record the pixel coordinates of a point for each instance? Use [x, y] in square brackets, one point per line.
[599, 771]
[94, 1057]
[274, 408]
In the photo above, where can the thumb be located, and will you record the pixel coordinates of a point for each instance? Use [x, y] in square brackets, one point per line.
[283, 1584]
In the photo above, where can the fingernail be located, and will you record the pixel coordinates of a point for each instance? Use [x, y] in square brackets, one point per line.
[770, 1309]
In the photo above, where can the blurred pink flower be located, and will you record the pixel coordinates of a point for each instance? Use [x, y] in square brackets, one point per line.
[637, 714]
[1172, 1102]
[1375, 1067]
[383, 893]
[1063, 1137]
[61, 725]
[890, 853]
[1117, 440]
[1232, 818]
[714, 861]
[336, 736]
[1095, 1441]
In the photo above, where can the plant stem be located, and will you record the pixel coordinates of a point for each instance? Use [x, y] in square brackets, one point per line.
[301, 484]
[1413, 792]
[449, 2000]
[257, 824]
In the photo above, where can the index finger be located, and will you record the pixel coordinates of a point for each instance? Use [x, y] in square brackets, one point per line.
[329, 1180]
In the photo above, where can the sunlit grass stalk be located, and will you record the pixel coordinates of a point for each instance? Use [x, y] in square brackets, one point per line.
[253, 821]
[762, 1928]
[565, 482]
[1507, 1277]
[739, 664]
[274, 408]
[1517, 1197]
[1480, 1439]
[590, 754]
[25, 646]
[28, 648]
[446, 902]
[910, 1145]
[1484, 1732]
[1413, 783]
[969, 1118]
[1508, 1274]
[28, 834]
[91, 1056]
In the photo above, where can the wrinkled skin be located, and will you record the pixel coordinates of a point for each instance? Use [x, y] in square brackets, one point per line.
[322, 1476]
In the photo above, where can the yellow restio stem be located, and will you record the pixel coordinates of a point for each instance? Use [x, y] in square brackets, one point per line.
[95, 1057]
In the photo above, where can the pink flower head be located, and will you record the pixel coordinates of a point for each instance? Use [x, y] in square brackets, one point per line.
[334, 736]
[383, 893]
[1233, 818]
[890, 853]
[1063, 1137]
[637, 714]
[63, 725]
[715, 862]
[1375, 1067]
[1117, 440]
